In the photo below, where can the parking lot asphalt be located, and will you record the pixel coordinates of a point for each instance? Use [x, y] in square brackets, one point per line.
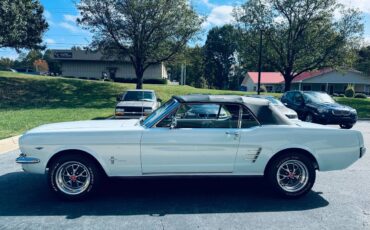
[339, 200]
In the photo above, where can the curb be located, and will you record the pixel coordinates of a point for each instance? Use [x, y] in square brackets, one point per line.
[364, 119]
[9, 144]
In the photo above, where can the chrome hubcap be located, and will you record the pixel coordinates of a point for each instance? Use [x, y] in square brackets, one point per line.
[73, 178]
[292, 175]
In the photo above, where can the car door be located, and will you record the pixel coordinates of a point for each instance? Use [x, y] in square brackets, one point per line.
[205, 140]
[295, 101]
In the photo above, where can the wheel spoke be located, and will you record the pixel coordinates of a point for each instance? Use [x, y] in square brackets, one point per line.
[72, 178]
[292, 175]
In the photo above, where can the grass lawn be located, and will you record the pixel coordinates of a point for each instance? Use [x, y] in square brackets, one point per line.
[27, 101]
[361, 105]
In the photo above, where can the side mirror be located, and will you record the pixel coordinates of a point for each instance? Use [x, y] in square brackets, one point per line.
[119, 97]
[159, 100]
[173, 123]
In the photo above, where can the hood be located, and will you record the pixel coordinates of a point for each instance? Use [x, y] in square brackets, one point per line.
[150, 104]
[93, 125]
[332, 106]
[286, 110]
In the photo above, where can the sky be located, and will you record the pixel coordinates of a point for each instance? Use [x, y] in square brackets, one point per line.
[64, 33]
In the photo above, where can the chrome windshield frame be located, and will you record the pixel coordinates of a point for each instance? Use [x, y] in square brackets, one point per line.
[168, 111]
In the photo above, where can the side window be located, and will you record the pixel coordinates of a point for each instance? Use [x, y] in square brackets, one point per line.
[248, 120]
[207, 116]
[298, 99]
[289, 97]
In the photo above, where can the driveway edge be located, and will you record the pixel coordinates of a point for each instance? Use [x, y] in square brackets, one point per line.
[9, 144]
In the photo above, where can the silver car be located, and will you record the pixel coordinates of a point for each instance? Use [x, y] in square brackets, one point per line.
[291, 114]
[134, 104]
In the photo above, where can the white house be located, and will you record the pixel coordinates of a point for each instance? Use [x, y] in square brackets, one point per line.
[326, 80]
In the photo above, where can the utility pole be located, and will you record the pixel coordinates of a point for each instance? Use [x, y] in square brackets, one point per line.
[183, 74]
[259, 64]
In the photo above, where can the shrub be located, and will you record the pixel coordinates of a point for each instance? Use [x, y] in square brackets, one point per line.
[156, 81]
[360, 95]
[350, 91]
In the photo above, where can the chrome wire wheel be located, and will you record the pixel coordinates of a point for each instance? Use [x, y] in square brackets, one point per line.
[72, 178]
[292, 175]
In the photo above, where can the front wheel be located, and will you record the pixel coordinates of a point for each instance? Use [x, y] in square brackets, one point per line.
[73, 177]
[309, 118]
[346, 126]
[291, 175]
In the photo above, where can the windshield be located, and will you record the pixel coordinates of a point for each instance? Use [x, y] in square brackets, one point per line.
[159, 113]
[138, 96]
[274, 101]
[317, 97]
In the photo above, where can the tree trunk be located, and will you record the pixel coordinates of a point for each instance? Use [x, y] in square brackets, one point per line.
[288, 83]
[139, 82]
[139, 77]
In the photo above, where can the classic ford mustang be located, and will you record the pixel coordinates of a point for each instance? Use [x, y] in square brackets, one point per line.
[190, 135]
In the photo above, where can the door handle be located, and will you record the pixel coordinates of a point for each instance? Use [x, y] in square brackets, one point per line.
[236, 134]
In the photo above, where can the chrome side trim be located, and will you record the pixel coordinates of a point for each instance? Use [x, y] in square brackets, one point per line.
[27, 160]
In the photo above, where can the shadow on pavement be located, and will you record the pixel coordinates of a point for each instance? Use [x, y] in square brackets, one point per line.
[28, 195]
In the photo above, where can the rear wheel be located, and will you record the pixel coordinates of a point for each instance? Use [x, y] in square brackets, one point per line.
[291, 175]
[73, 177]
[346, 126]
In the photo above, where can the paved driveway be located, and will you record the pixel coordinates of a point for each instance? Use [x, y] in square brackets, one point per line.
[340, 200]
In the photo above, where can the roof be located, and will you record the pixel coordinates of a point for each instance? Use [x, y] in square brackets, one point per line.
[261, 108]
[267, 77]
[261, 96]
[82, 55]
[278, 78]
[193, 98]
[307, 75]
[140, 90]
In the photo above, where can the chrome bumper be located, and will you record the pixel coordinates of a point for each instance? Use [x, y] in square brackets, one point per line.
[23, 159]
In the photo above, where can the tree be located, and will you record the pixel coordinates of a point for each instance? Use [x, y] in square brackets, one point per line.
[6, 63]
[29, 60]
[41, 65]
[21, 24]
[300, 35]
[148, 32]
[54, 66]
[363, 60]
[192, 59]
[219, 56]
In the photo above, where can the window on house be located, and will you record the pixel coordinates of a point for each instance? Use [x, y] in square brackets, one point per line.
[269, 88]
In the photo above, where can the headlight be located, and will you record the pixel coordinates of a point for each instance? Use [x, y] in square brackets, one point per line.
[148, 111]
[323, 110]
[120, 110]
[353, 111]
